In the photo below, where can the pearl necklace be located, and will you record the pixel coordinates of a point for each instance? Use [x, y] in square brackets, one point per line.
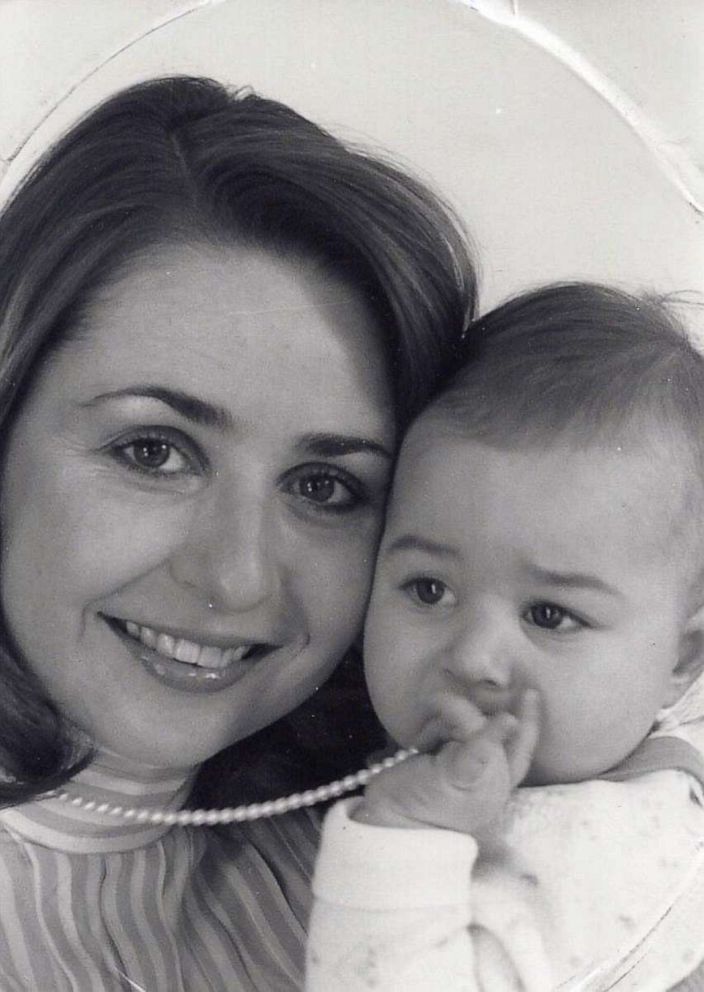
[237, 814]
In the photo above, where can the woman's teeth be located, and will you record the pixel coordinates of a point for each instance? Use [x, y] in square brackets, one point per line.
[186, 651]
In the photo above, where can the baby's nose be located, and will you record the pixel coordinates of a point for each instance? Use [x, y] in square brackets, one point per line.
[481, 658]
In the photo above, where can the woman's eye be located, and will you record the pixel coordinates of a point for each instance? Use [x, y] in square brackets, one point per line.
[327, 490]
[548, 616]
[430, 592]
[157, 456]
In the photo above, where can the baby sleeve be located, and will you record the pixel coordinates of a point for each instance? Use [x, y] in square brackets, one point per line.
[392, 913]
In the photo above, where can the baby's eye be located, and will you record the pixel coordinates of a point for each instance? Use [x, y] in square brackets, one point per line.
[430, 592]
[548, 616]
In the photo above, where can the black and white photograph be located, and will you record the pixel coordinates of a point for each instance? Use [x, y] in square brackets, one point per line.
[351, 496]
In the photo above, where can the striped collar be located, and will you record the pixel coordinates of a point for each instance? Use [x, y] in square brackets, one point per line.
[111, 779]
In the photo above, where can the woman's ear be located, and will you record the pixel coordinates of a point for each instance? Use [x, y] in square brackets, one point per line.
[690, 661]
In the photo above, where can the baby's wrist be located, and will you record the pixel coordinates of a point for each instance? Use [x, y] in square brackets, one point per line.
[380, 814]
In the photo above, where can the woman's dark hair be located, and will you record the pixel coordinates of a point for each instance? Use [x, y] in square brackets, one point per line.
[184, 159]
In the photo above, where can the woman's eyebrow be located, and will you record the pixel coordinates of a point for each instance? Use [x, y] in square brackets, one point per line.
[195, 410]
[205, 414]
[335, 445]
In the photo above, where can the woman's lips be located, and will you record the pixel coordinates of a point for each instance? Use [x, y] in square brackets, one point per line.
[181, 649]
[167, 658]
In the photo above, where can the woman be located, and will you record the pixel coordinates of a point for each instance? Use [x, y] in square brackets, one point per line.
[215, 321]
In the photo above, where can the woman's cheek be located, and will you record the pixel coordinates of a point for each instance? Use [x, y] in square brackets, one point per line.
[114, 541]
[136, 538]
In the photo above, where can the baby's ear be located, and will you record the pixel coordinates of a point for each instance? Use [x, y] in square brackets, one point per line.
[690, 663]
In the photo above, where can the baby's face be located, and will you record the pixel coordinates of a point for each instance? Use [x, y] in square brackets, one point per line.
[506, 570]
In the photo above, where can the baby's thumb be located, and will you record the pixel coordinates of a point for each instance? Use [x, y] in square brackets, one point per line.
[523, 742]
[467, 765]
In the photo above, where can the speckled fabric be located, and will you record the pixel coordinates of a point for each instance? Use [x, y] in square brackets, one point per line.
[594, 886]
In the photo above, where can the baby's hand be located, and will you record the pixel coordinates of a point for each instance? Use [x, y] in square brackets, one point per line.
[464, 785]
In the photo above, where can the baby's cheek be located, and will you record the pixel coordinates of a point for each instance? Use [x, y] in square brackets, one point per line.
[396, 695]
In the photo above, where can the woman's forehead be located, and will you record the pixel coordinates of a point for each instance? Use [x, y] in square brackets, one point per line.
[249, 332]
[235, 273]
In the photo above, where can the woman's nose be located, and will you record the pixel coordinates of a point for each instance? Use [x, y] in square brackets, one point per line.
[229, 553]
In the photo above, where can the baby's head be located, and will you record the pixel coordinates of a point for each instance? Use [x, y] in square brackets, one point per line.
[546, 530]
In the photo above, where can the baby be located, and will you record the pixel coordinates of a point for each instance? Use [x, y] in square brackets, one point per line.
[536, 630]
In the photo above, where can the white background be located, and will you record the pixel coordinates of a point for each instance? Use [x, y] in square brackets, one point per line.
[551, 178]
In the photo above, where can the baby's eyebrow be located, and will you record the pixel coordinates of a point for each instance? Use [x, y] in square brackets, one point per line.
[572, 580]
[412, 542]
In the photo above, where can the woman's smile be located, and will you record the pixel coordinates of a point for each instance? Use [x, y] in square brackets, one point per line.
[188, 651]
[189, 665]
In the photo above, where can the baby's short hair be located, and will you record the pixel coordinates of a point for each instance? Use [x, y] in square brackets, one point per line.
[587, 365]
[580, 360]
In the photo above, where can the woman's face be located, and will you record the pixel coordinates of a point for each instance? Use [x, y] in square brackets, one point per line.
[192, 499]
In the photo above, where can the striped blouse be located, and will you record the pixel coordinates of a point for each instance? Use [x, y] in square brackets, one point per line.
[91, 905]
